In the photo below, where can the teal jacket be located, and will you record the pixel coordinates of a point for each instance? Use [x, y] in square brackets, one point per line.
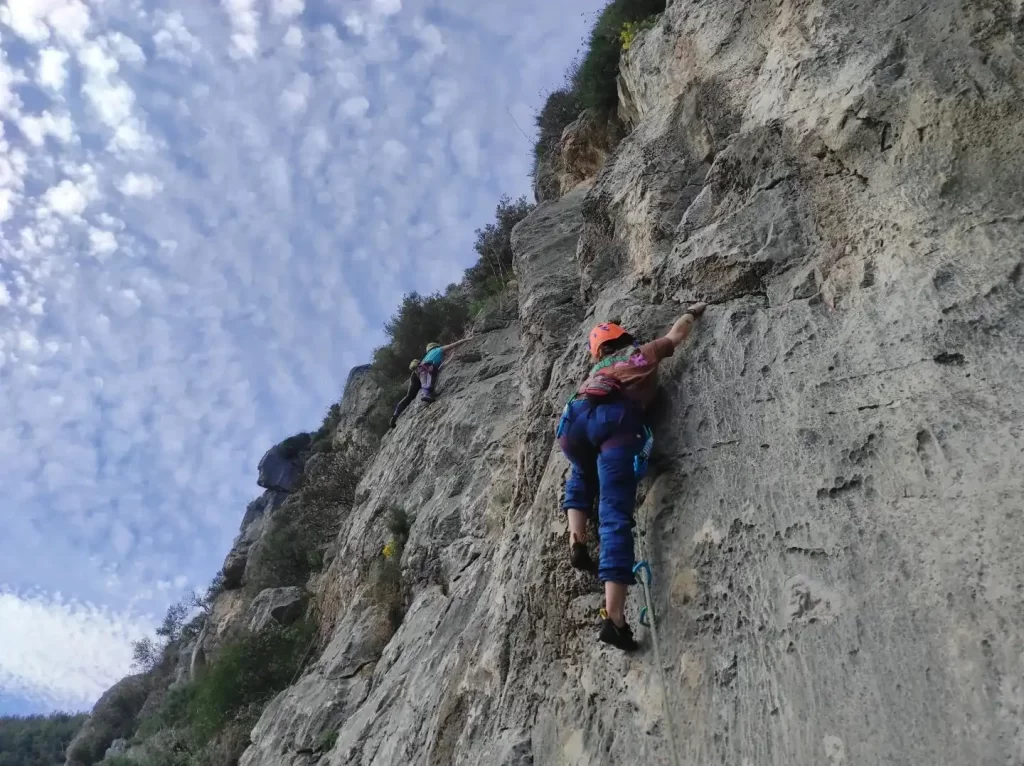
[434, 357]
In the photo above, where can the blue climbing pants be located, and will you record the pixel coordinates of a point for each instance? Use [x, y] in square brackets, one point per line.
[601, 440]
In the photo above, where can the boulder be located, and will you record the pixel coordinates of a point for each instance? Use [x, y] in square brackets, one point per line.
[117, 747]
[234, 567]
[282, 606]
[183, 662]
[281, 467]
[360, 412]
[226, 618]
[584, 147]
[258, 510]
[113, 717]
[198, 660]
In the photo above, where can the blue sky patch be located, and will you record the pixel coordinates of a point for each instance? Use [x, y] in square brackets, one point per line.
[207, 211]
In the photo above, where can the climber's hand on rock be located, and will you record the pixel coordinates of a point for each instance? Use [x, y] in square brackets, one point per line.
[682, 326]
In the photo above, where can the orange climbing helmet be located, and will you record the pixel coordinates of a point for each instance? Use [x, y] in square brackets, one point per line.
[603, 333]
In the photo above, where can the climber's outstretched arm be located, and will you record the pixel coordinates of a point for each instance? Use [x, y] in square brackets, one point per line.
[456, 344]
[682, 326]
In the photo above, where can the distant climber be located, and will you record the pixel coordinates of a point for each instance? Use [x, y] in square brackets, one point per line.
[603, 433]
[423, 376]
[430, 368]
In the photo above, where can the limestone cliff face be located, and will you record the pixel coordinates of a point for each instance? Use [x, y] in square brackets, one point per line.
[834, 515]
[835, 520]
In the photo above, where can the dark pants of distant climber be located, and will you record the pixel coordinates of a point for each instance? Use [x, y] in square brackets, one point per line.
[428, 381]
[600, 441]
[410, 394]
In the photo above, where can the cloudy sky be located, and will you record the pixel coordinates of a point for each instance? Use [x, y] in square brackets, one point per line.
[207, 209]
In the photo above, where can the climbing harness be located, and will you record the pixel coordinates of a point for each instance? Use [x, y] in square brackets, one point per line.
[648, 621]
[597, 386]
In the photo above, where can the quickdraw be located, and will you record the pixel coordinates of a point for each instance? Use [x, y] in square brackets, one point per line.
[643, 457]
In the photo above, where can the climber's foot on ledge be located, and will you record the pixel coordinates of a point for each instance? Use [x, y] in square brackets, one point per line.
[620, 638]
[579, 557]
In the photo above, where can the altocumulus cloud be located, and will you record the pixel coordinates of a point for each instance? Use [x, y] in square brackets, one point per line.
[62, 653]
[206, 212]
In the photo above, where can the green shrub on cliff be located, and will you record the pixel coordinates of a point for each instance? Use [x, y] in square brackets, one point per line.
[561, 107]
[444, 317]
[247, 673]
[599, 68]
[206, 722]
[590, 82]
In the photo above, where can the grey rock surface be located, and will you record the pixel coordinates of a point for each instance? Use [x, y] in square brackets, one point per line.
[579, 155]
[280, 468]
[282, 606]
[835, 519]
[362, 409]
[471, 427]
[250, 531]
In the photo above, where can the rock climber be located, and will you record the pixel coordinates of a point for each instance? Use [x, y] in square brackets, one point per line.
[410, 392]
[423, 376]
[603, 434]
[430, 367]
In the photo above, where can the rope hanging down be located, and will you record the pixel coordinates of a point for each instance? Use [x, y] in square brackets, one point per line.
[647, 620]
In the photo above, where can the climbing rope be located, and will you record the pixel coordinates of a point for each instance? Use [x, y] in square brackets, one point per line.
[647, 620]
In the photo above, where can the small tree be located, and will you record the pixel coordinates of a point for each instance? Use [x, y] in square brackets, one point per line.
[493, 271]
[204, 601]
[399, 523]
[174, 620]
[146, 654]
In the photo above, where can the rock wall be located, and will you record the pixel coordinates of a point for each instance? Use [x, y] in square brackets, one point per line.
[835, 544]
[835, 515]
[578, 156]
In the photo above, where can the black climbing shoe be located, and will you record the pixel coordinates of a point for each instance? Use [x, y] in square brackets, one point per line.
[580, 559]
[620, 638]
[392, 424]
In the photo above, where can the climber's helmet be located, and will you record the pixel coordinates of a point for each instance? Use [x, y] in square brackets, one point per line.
[605, 332]
[432, 346]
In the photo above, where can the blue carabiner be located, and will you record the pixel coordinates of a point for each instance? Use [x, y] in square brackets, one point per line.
[643, 566]
[641, 459]
[643, 617]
